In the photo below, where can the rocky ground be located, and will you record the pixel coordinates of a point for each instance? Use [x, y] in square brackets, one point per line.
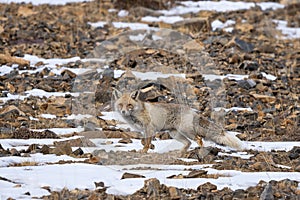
[255, 48]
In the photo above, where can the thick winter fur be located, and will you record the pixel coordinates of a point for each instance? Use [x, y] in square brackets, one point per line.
[180, 121]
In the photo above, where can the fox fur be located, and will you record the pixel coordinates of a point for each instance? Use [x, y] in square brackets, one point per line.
[183, 123]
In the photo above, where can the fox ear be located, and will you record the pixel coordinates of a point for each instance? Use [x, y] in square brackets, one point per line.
[135, 94]
[117, 93]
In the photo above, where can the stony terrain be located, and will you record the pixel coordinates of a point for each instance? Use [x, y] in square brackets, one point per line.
[255, 48]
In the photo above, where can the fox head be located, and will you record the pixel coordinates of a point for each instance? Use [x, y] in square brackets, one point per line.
[127, 103]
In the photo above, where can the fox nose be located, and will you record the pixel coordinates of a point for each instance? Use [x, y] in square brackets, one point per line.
[123, 111]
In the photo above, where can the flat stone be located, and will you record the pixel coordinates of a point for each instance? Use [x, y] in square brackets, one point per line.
[130, 175]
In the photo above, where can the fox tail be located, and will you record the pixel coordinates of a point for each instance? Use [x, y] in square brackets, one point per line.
[227, 139]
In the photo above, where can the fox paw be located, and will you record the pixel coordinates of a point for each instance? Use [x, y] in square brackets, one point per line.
[144, 150]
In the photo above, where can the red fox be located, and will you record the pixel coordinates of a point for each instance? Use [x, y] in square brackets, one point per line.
[180, 121]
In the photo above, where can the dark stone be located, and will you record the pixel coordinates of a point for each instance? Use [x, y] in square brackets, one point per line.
[244, 46]
[32, 147]
[239, 194]
[78, 152]
[267, 193]
[294, 153]
[45, 149]
[249, 65]
[246, 84]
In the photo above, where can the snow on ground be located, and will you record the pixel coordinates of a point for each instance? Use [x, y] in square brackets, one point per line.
[163, 146]
[83, 176]
[219, 6]
[38, 158]
[63, 131]
[288, 32]
[131, 25]
[24, 143]
[217, 24]
[37, 93]
[165, 19]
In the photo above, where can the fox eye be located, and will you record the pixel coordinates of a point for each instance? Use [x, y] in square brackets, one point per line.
[120, 105]
[130, 106]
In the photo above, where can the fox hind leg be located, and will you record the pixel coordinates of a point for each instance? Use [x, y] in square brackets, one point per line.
[181, 138]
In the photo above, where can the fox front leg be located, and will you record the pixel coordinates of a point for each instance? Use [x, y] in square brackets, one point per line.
[146, 141]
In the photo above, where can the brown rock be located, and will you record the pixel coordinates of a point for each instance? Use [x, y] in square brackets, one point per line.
[264, 98]
[58, 106]
[193, 46]
[196, 174]
[152, 187]
[14, 152]
[93, 160]
[120, 134]
[10, 87]
[78, 142]
[32, 148]
[174, 193]
[5, 59]
[297, 168]
[45, 149]
[67, 73]
[259, 166]
[62, 149]
[206, 187]
[25, 11]
[11, 111]
[125, 141]
[129, 175]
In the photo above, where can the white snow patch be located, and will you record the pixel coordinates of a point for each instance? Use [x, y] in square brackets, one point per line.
[148, 75]
[78, 116]
[14, 143]
[165, 19]
[5, 70]
[83, 176]
[123, 13]
[62, 131]
[131, 25]
[111, 10]
[233, 109]
[220, 6]
[269, 146]
[138, 37]
[288, 32]
[242, 155]
[37, 93]
[48, 116]
[212, 77]
[36, 158]
[97, 24]
[269, 76]
[42, 93]
[217, 24]
[52, 61]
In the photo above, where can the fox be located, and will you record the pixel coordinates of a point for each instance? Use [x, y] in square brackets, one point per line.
[180, 121]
